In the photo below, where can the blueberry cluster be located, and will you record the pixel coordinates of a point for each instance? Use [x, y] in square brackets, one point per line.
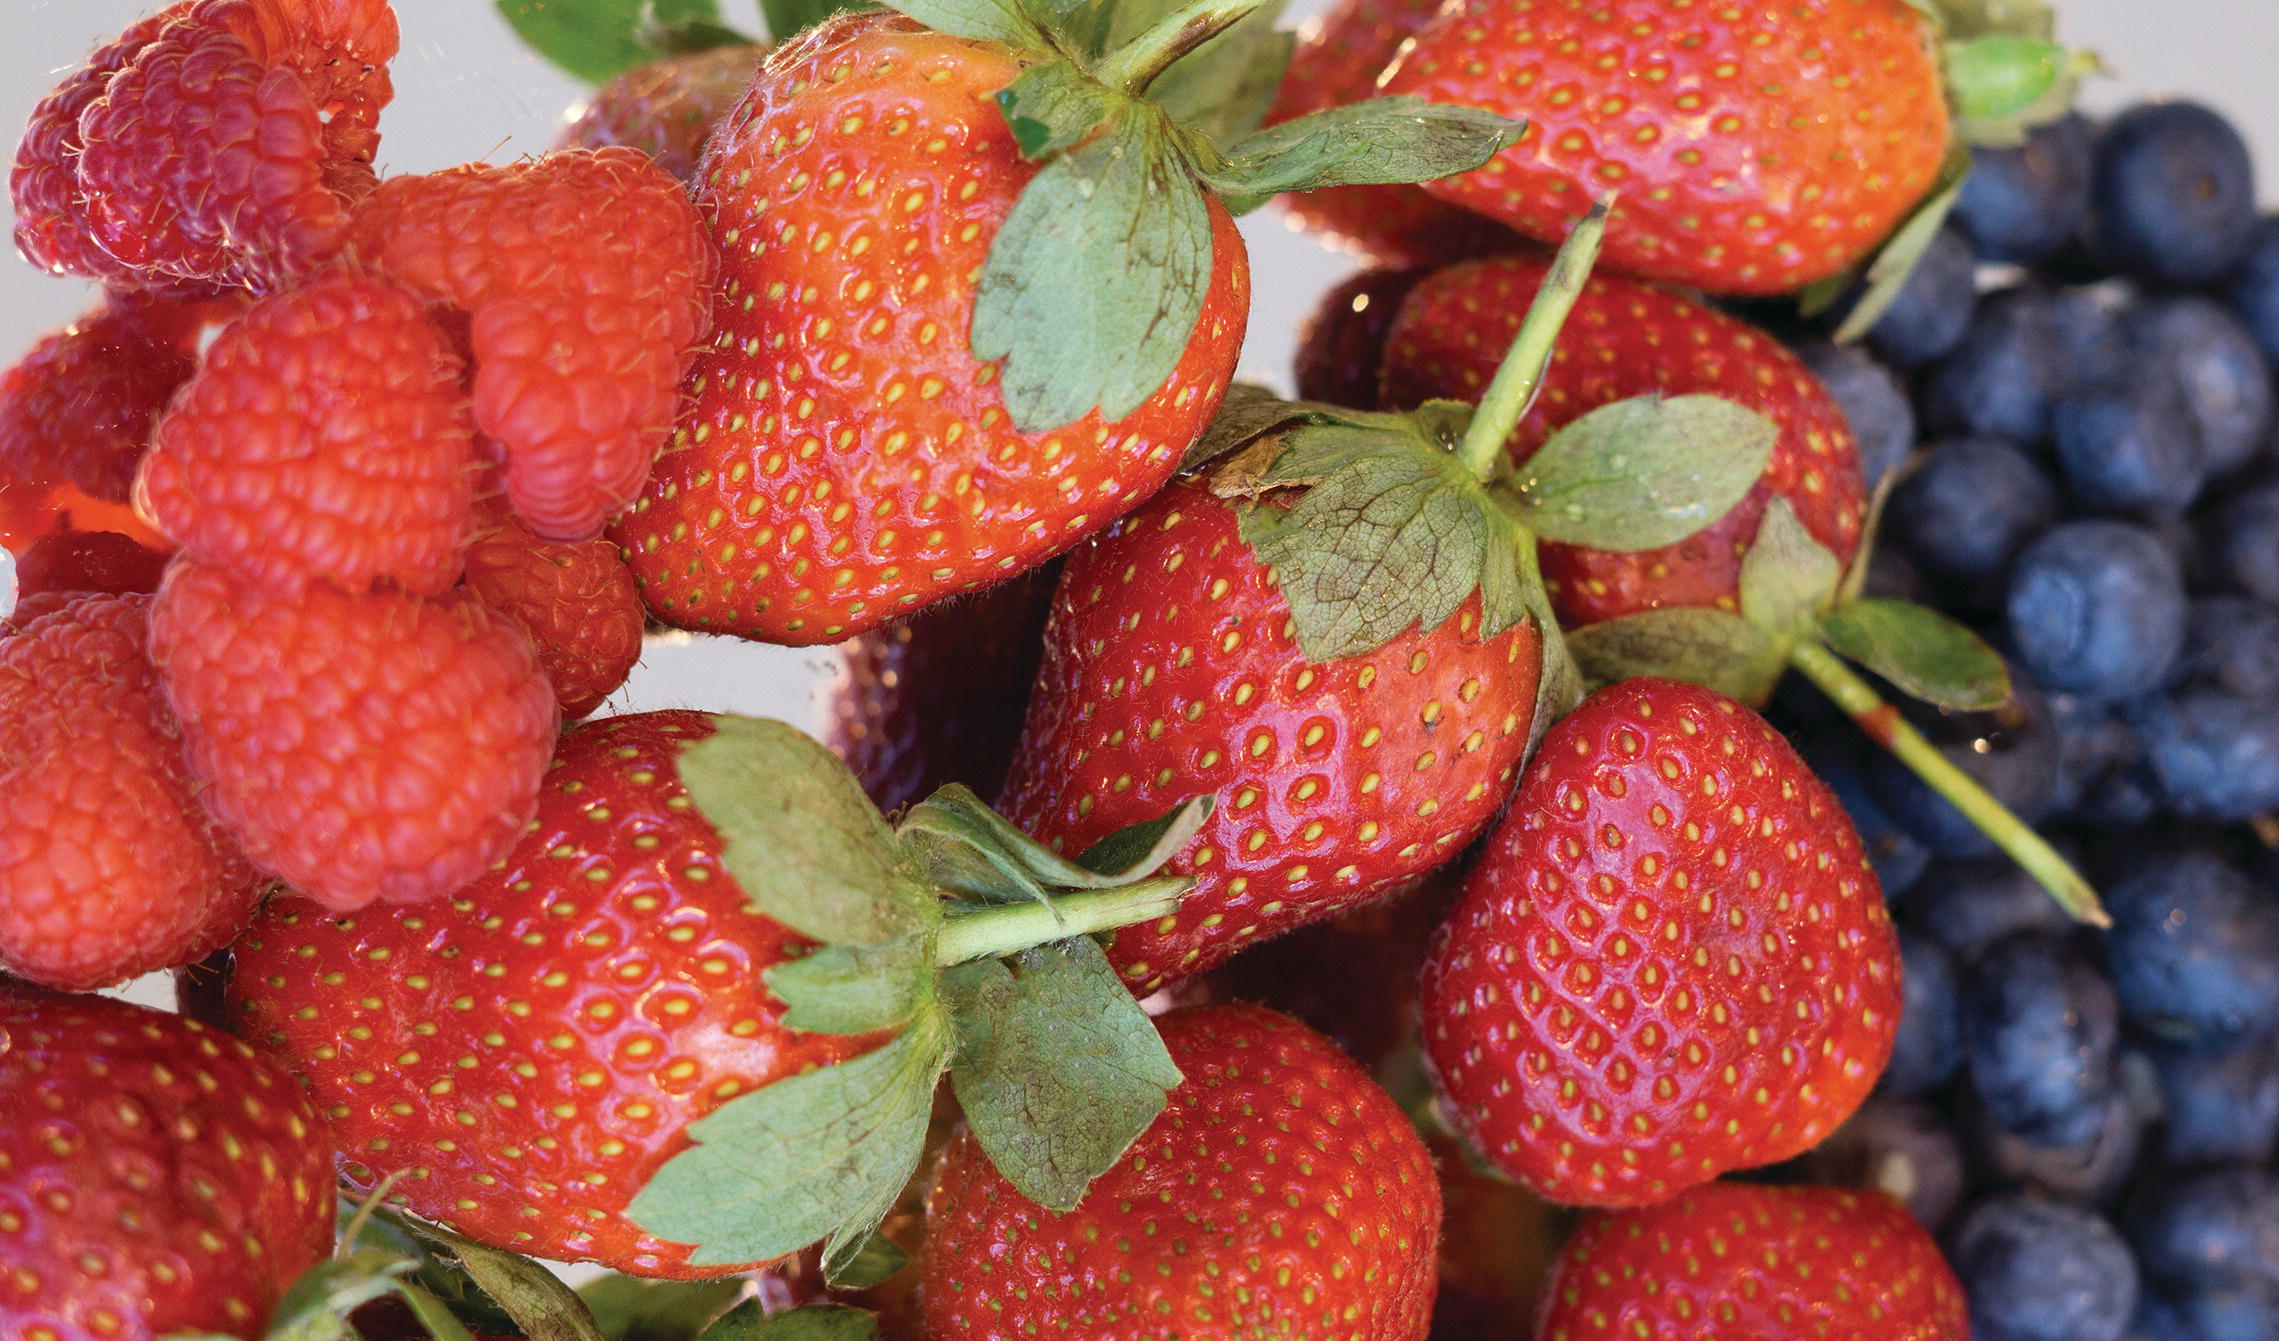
[2074, 395]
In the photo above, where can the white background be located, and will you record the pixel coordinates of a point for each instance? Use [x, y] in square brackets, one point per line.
[467, 90]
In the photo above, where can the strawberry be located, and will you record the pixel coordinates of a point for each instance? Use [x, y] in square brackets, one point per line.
[1619, 343]
[608, 1021]
[937, 698]
[1279, 1193]
[577, 602]
[666, 108]
[322, 439]
[81, 405]
[109, 867]
[359, 747]
[1756, 154]
[156, 1177]
[879, 424]
[1672, 958]
[583, 277]
[1749, 1263]
[1341, 348]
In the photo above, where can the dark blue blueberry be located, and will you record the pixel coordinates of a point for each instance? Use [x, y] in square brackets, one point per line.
[2011, 752]
[1898, 859]
[1928, 1049]
[2225, 378]
[1894, 575]
[2172, 195]
[2241, 538]
[2040, 1270]
[2093, 743]
[2096, 609]
[2093, 332]
[2127, 798]
[2010, 368]
[2232, 641]
[1968, 507]
[2041, 1028]
[1881, 416]
[1934, 307]
[1968, 905]
[2023, 204]
[2215, 1230]
[2092, 1171]
[1899, 1146]
[2210, 753]
[2255, 288]
[2194, 948]
[2130, 447]
[2220, 1105]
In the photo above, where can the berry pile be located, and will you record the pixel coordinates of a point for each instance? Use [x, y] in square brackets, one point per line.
[1268, 858]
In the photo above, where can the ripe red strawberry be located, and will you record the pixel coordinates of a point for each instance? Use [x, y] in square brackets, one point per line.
[1341, 350]
[938, 697]
[109, 868]
[584, 275]
[1747, 1263]
[381, 746]
[589, 997]
[1339, 56]
[1671, 960]
[81, 405]
[1171, 666]
[667, 108]
[1624, 339]
[223, 144]
[1280, 1193]
[324, 438]
[156, 1177]
[578, 603]
[1755, 152]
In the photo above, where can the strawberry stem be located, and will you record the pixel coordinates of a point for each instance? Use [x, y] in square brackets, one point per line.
[1132, 68]
[1008, 928]
[1887, 728]
[1520, 376]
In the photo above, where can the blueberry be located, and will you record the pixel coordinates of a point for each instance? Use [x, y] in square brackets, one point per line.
[2216, 1230]
[2040, 1270]
[1882, 418]
[2096, 609]
[1928, 1049]
[2093, 332]
[2232, 641]
[2255, 288]
[2023, 204]
[2127, 798]
[2172, 194]
[2210, 753]
[1934, 307]
[2041, 1029]
[2225, 378]
[1898, 1146]
[1898, 859]
[2220, 1105]
[2130, 447]
[2242, 539]
[2009, 369]
[2238, 1315]
[2093, 743]
[2091, 1172]
[2194, 948]
[1966, 906]
[1894, 575]
[1968, 507]
[2011, 752]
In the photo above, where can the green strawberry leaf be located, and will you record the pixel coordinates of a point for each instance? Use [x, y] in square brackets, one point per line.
[1965, 19]
[316, 1306]
[534, 1298]
[788, 18]
[854, 989]
[817, 1322]
[1249, 413]
[984, 20]
[1886, 274]
[597, 40]
[1923, 653]
[1096, 278]
[797, 833]
[1695, 643]
[1223, 89]
[1367, 143]
[1138, 851]
[1559, 684]
[630, 1309]
[967, 849]
[796, 1161]
[878, 1260]
[2002, 87]
[1788, 579]
[1057, 1068]
[1052, 106]
[1642, 473]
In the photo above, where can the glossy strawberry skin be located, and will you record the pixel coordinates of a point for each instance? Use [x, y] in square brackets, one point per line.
[156, 1177]
[1626, 338]
[1170, 669]
[1751, 157]
[1671, 958]
[845, 459]
[667, 108]
[1279, 1193]
[1341, 349]
[533, 1047]
[1753, 1263]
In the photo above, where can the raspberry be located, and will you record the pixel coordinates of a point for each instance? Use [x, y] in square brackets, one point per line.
[70, 561]
[667, 108]
[587, 277]
[381, 746]
[577, 602]
[324, 437]
[225, 145]
[81, 406]
[108, 867]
